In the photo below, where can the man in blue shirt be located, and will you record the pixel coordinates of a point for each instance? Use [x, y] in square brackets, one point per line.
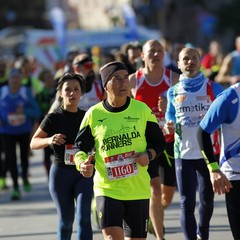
[225, 113]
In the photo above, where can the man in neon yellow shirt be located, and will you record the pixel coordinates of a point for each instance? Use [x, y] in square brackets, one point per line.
[126, 137]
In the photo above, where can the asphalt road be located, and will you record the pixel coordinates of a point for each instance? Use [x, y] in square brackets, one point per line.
[34, 216]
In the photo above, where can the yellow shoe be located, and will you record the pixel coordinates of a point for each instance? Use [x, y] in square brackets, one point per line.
[3, 184]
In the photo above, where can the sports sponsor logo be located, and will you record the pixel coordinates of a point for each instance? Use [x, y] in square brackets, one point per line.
[199, 107]
[131, 119]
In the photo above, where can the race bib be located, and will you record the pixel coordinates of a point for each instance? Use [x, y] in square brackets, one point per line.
[16, 120]
[69, 154]
[121, 166]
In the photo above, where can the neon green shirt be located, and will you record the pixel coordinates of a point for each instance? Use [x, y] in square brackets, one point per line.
[117, 135]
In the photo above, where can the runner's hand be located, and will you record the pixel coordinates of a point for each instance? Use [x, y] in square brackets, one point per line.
[86, 168]
[141, 158]
[220, 182]
[58, 139]
[168, 128]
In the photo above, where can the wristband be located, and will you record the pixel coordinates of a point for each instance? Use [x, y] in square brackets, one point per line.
[149, 153]
[213, 166]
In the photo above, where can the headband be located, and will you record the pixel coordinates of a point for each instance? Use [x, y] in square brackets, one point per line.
[107, 70]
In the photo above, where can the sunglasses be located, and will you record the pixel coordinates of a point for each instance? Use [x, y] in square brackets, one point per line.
[88, 65]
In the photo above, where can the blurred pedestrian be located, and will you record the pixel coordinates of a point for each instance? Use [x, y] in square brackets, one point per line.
[170, 49]
[4, 73]
[28, 79]
[131, 53]
[212, 60]
[3, 164]
[45, 99]
[229, 72]
[19, 110]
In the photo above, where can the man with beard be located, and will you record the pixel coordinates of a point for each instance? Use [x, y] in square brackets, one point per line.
[83, 65]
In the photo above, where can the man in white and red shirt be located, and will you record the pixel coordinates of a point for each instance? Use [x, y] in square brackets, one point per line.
[150, 84]
[83, 65]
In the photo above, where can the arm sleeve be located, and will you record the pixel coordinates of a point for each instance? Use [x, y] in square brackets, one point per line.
[84, 140]
[222, 110]
[155, 138]
[170, 112]
[205, 144]
[84, 143]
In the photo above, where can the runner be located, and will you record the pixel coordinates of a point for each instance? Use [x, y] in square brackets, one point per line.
[66, 185]
[188, 102]
[154, 80]
[126, 137]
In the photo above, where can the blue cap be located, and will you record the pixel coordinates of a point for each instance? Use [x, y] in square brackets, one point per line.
[14, 72]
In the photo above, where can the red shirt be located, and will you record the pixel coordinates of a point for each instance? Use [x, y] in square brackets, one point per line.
[149, 94]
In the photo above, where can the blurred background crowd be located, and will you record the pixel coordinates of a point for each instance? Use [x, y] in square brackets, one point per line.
[46, 24]
[40, 39]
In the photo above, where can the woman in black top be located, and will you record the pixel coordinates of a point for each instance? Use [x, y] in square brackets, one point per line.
[66, 184]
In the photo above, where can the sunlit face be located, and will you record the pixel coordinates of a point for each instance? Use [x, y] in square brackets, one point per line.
[189, 62]
[153, 53]
[215, 48]
[71, 93]
[133, 54]
[118, 85]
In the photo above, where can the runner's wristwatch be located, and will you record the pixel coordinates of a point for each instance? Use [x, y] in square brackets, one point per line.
[150, 156]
